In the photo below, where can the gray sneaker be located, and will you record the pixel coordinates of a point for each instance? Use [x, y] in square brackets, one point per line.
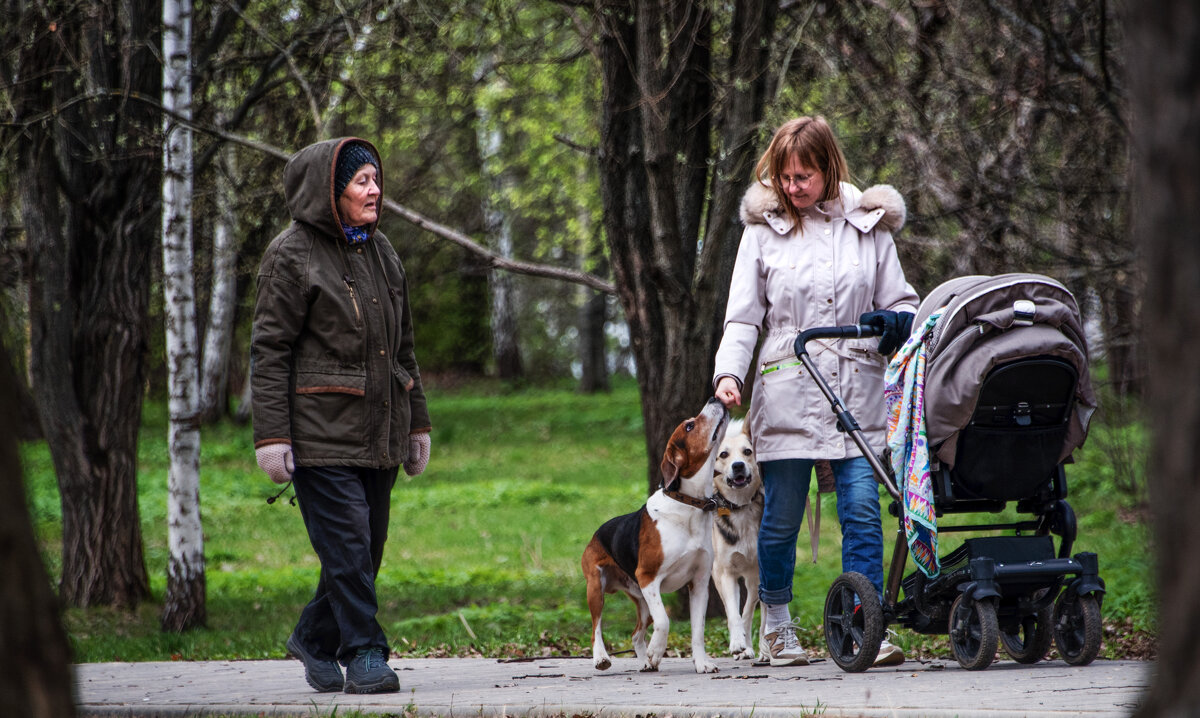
[781, 648]
[324, 676]
[889, 654]
[368, 672]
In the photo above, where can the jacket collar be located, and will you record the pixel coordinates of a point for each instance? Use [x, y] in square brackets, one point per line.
[880, 205]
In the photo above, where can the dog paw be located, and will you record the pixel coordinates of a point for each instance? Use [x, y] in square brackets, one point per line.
[745, 653]
[602, 664]
[706, 667]
[650, 667]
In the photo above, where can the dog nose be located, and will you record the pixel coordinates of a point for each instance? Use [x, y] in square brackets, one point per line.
[738, 469]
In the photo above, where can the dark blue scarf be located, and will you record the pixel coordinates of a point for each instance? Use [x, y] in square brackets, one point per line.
[355, 235]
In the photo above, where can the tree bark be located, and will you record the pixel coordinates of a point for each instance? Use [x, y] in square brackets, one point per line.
[1164, 78]
[89, 182]
[184, 606]
[218, 337]
[35, 658]
[659, 108]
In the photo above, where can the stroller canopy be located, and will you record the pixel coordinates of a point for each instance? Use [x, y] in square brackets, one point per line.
[990, 321]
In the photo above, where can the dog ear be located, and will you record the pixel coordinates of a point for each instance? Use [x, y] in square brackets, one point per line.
[746, 430]
[669, 469]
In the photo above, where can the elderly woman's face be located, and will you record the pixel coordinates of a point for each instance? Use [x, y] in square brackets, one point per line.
[359, 203]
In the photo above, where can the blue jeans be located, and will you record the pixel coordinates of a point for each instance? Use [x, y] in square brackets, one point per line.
[785, 487]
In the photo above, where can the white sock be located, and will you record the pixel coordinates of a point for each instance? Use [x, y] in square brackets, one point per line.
[777, 615]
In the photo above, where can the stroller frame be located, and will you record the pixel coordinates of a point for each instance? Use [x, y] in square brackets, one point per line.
[1010, 590]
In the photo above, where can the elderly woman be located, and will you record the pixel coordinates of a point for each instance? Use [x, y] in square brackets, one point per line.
[338, 403]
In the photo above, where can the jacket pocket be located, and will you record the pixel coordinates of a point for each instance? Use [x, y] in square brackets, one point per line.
[402, 376]
[330, 405]
[781, 390]
[401, 408]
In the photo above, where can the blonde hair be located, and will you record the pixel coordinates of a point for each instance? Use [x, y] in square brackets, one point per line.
[810, 140]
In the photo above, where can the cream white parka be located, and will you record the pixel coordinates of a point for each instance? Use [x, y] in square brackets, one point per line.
[840, 263]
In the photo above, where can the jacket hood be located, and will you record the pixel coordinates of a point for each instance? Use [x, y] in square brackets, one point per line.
[879, 205]
[308, 185]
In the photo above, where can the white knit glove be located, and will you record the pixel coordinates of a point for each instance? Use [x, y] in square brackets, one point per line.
[418, 453]
[276, 460]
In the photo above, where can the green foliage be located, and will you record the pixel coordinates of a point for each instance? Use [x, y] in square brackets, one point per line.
[483, 552]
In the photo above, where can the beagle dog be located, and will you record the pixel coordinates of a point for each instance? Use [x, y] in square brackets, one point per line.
[663, 546]
[738, 488]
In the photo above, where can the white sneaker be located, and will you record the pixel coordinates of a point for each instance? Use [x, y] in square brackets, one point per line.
[889, 654]
[781, 648]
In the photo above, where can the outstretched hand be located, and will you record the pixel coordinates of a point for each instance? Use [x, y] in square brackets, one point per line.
[728, 392]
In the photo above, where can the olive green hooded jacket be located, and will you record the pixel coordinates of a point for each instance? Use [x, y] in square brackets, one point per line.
[332, 362]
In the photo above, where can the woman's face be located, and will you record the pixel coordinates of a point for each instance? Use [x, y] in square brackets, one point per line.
[802, 185]
[359, 203]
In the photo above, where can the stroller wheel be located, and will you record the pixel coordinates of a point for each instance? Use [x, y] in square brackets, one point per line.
[1077, 628]
[974, 633]
[1030, 641]
[853, 622]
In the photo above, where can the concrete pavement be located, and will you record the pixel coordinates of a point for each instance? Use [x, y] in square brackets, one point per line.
[448, 687]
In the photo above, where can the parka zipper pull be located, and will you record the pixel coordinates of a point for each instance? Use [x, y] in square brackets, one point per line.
[353, 300]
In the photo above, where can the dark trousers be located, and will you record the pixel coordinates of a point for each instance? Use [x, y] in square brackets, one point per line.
[346, 512]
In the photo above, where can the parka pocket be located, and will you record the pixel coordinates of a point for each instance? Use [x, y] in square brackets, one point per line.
[330, 405]
[401, 409]
[402, 376]
[780, 390]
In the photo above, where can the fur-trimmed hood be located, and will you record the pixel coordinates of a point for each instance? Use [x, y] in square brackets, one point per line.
[880, 205]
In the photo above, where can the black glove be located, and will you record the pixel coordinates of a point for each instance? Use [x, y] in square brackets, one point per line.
[896, 326]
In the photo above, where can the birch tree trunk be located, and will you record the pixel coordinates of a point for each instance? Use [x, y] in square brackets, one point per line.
[498, 225]
[184, 606]
[218, 337]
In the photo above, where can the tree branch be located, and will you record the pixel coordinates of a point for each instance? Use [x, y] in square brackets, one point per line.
[490, 258]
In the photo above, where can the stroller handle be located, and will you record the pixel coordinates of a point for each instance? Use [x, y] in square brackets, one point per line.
[846, 421]
[852, 331]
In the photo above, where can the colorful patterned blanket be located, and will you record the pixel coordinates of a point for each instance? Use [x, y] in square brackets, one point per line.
[904, 396]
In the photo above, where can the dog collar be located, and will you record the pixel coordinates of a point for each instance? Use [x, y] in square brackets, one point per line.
[706, 503]
[726, 507]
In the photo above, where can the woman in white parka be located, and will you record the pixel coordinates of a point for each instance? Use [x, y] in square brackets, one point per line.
[816, 252]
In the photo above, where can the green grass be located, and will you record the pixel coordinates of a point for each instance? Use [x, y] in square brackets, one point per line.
[486, 542]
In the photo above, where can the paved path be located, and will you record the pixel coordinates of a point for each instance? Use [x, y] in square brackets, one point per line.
[467, 687]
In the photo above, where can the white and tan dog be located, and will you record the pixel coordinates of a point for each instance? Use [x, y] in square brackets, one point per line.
[663, 546]
[738, 489]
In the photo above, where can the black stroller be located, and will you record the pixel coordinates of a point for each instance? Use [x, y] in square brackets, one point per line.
[1007, 399]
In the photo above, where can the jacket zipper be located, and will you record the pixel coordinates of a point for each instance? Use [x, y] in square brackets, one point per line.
[353, 300]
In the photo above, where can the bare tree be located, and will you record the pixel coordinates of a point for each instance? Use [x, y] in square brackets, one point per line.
[1164, 82]
[1006, 133]
[88, 173]
[184, 607]
[679, 127]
